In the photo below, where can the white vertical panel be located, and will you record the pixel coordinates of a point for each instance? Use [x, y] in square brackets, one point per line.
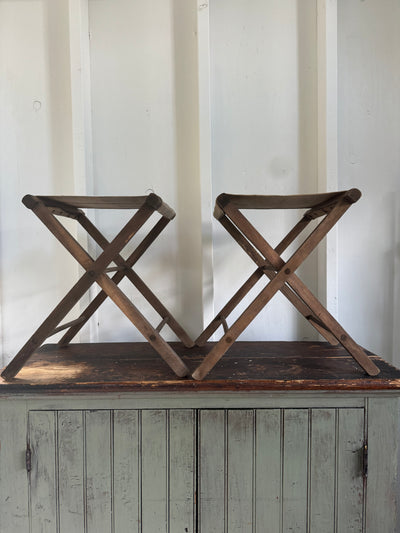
[369, 158]
[144, 93]
[264, 133]
[35, 157]
[207, 200]
[327, 141]
[82, 151]
[189, 203]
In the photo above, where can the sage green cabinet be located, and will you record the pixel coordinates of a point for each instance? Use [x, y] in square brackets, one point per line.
[266, 463]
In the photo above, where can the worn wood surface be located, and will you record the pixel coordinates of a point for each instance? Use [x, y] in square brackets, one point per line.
[103, 202]
[285, 275]
[383, 466]
[14, 497]
[71, 470]
[263, 469]
[295, 463]
[247, 366]
[95, 269]
[216, 470]
[295, 201]
[350, 484]
[43, 486]
[111, 471]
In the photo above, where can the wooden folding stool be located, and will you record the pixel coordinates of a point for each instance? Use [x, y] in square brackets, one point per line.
[330, 206]
[46, 207]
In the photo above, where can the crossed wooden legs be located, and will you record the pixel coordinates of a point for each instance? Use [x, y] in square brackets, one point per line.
[282, 275]
[329, 206]
[96, 271]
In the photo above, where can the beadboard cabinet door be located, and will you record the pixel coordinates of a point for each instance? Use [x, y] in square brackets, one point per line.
[112, 471]
[281, 470]
[266, 470]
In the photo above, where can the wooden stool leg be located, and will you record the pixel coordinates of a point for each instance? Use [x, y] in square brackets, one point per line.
[286, 271]
[47, 327]
[102, 296]
[145, 328]
[139, 283]
[93, 269]
[240, 325]
[229, 307]
[301, 290]
[94, 272]
[298, 303]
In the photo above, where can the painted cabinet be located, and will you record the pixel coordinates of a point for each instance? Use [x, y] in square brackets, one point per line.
[206, 463]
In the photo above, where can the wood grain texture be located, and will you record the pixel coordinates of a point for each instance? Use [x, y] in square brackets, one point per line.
[289, 268]
[14, 511]
[126, 471]
[43, 482]
[322, 475]
[70, 463]
[292, 469]
[182, 470]
[154, 471]
[295, 470]
[99, 474]
[212, 471]
[350, 483]
[240, 470]
[383, 468]
[248, 366]
[296, 201]
[268, 469]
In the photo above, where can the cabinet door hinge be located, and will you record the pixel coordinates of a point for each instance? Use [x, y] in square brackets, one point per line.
[365, 460]
[28, 458]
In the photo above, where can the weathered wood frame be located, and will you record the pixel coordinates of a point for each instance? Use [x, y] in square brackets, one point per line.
[330, 206]
[45, 208]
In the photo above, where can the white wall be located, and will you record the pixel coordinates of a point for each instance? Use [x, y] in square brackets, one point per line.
[145, 137]
[369, 158]
[35, 157]
[264, 128]
[191, 100]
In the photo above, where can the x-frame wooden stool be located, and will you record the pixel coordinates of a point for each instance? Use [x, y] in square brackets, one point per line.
[330, 206]
[46, 207]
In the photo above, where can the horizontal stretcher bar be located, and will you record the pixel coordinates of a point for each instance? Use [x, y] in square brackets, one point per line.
[297, 201]
[72, 204]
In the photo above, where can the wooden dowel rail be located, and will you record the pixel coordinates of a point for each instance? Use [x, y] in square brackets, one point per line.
[67, 325]
[163, 322]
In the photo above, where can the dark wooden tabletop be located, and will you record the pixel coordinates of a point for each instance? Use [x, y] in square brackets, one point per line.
[247, 366]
